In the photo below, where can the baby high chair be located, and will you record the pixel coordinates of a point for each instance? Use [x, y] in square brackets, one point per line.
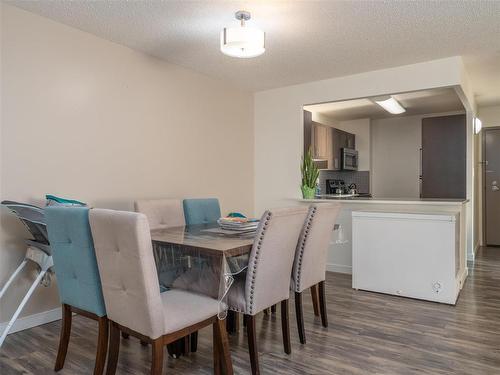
[38, 252]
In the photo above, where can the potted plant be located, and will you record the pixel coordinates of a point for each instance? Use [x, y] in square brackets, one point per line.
[310, 174]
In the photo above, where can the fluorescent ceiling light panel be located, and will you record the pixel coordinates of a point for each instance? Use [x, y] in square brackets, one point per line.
[391, 105]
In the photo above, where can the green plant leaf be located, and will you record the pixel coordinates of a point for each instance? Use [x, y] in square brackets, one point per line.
[309, 170]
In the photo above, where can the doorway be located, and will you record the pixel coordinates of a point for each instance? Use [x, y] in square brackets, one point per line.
[491, 157]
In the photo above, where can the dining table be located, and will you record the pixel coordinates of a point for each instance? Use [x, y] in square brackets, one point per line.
[204, 259]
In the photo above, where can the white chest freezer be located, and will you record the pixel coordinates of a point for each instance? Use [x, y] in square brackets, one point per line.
[407, 254]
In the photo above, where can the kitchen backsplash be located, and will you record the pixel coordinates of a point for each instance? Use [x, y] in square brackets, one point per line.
[360, 178]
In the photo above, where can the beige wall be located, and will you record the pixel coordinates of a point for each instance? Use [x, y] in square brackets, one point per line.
[92, 120]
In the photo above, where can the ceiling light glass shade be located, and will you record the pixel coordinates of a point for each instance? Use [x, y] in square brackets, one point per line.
[243, 42]
[478, 125]
[391, 105]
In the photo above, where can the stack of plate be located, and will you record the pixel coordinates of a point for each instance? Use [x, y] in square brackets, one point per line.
[238, 224]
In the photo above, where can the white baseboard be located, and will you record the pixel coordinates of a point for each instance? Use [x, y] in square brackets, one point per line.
[472, 257]
[476, 248]
[339, 268]
[462, 277]
[34, 320]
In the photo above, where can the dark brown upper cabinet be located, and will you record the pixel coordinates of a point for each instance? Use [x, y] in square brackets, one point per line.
[326, 143]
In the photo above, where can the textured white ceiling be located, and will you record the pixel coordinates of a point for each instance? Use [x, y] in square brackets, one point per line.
[415, 103]
[306, 40]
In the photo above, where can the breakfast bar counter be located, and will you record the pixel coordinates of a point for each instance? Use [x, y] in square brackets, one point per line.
[374, 200]
[340, 250]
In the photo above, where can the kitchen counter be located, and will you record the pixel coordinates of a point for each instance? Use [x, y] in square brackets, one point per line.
[374, 200]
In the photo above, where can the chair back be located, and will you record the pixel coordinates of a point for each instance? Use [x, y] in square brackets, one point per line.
[161, 213]
[201, 211]
[129, 280]
[74, 257]
[271, 258]
[309, 266]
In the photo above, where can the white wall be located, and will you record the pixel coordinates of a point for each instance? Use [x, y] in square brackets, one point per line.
[279, 122]
[92, 120]
[490, 116]
[396, 157]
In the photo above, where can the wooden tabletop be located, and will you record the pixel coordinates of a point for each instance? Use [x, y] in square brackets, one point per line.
[197, 238]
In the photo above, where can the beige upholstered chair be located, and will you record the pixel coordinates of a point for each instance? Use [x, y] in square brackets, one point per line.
[310, 260]
[161, 213]
[132, 296]
[267, 280]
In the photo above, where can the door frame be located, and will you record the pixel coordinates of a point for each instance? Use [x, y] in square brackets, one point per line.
[483, 180]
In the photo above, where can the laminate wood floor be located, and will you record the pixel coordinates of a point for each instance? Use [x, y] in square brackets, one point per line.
[369, 333]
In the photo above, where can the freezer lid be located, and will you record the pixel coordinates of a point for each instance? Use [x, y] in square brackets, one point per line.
[432, 216]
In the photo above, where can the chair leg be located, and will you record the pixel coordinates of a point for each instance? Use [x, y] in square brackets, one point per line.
[322, 304]
[285, 327]
[300, 317]
[64, 337]
[194, 342]
[252, 344]
[172, 350]
[232, 322]
[157, 357]
[315, 300]
[273, 309]
[223, 362]
[102, 346]
[114, 348]
[236, 322]
[176, 349]
[125, 335]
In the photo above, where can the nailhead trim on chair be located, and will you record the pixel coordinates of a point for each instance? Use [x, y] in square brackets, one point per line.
[302, 247]
[256, 258]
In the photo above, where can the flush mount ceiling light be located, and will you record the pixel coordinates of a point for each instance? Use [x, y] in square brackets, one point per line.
[391, 105]
[243, 41]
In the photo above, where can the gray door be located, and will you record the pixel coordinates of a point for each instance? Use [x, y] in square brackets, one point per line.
[444, 141]
[492, 185]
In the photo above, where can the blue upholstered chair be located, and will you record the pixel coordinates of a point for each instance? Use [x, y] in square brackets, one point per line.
[201, 211]
[77, 274]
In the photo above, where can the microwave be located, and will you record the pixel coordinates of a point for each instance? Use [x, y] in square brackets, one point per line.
[349, 159]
